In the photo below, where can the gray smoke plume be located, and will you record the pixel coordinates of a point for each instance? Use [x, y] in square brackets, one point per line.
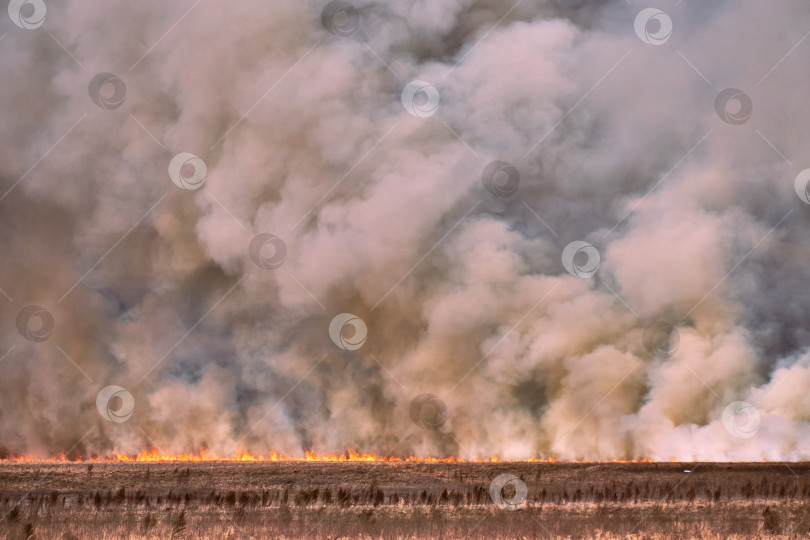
[552, 227]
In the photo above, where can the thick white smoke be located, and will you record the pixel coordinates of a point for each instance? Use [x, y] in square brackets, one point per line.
[463, 289]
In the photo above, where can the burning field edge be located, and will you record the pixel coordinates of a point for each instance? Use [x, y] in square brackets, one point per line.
[156, 455]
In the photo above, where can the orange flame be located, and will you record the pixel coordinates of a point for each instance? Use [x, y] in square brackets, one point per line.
[155, 455]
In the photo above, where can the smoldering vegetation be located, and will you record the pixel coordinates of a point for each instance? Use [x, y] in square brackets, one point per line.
[402, 500]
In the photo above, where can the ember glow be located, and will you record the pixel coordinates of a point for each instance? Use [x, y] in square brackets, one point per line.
[154, 455]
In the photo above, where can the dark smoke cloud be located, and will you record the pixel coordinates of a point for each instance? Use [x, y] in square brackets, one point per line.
[384, 215]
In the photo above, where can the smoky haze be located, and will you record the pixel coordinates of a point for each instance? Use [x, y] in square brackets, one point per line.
[463, 290]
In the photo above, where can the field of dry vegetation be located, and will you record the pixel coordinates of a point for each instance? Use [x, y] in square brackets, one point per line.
[401, 500]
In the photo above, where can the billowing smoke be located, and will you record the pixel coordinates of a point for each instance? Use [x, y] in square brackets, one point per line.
[551, 227]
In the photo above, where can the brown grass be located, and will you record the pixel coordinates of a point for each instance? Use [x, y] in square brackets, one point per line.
[401, 500]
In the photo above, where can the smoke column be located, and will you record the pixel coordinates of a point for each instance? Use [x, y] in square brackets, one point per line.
[554, 230]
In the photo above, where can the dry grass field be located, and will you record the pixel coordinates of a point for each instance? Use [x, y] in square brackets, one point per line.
[402, 500]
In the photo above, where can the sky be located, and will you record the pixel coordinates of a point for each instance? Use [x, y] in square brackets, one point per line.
[568, 228]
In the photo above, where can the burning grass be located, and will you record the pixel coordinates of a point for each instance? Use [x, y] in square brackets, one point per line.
[323, 499]
[153, 454]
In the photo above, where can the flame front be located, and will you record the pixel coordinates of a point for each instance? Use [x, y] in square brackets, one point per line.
[155, 455]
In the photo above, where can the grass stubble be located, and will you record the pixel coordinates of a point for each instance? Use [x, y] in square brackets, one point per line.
[73, 501]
